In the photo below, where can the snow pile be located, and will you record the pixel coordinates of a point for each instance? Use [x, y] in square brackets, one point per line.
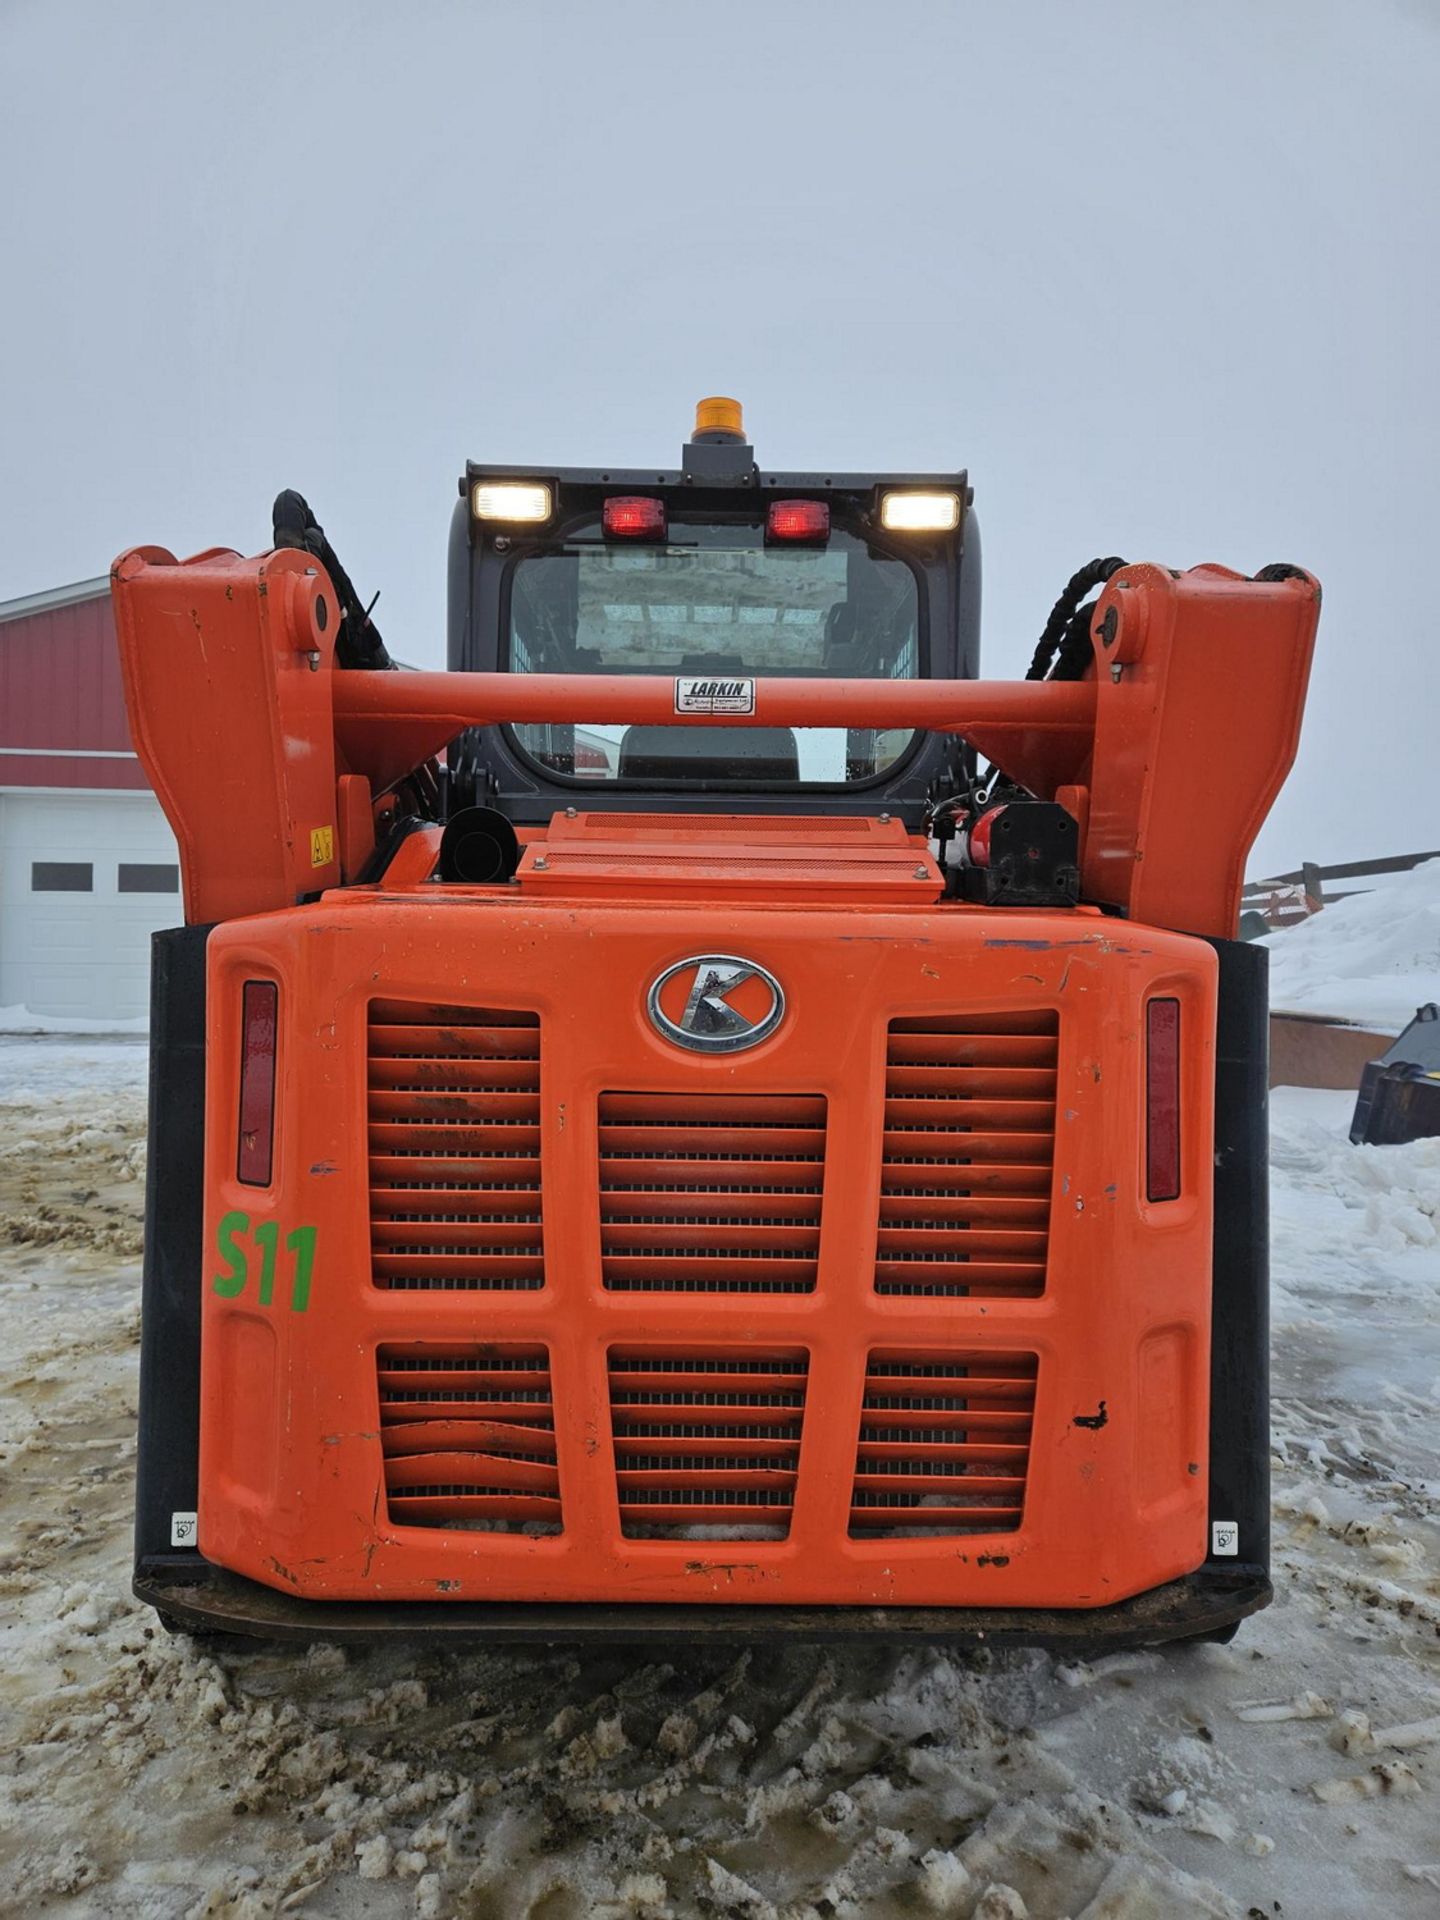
[1372, 959]
[22, 1020]
[1348, 1221]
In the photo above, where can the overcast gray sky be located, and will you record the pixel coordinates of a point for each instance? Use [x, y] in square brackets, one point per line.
[1163, 276]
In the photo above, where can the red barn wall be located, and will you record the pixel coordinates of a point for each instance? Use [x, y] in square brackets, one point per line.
[62, 712]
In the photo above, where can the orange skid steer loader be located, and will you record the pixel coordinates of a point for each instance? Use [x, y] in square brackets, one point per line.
[707, 1117]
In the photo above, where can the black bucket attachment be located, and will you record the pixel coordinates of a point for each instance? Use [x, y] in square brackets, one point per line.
[1400, 1092]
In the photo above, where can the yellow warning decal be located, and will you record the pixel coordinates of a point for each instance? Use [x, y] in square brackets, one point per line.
[322, 846]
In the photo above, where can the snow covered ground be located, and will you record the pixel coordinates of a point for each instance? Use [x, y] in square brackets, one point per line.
[1295, 1772]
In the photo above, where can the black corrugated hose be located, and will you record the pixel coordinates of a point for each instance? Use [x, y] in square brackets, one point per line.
[358, 642]
[1063, 650]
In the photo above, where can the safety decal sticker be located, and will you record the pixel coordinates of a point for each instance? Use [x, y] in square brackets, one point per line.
[183, 1528]
[714, 696]
[1224, 1539]
[322, 846]
[266, 1237]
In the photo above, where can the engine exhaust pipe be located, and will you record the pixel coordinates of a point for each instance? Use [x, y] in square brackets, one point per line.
[480, 847]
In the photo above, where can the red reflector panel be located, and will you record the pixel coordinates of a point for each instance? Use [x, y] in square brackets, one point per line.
[257, 1082]
[1162, 1101]
[798, 520]
[631, 517]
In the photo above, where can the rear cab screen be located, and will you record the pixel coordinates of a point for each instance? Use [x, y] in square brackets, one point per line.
[711, 602]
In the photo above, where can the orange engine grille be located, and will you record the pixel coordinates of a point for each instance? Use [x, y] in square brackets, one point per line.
[710, 1193]
[454, 1147]
[706, 1446]
[468, 1438]
[944, 1444]
[968, 1155]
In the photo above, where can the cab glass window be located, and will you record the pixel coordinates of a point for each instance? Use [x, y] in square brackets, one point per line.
[715, 600]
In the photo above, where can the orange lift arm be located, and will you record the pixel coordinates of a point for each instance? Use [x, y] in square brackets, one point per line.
[268, 760]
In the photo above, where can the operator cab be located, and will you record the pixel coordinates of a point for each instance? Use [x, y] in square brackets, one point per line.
[715, 575]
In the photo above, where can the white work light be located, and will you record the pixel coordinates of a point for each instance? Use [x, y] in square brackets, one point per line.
[519, 502]
[920, 512]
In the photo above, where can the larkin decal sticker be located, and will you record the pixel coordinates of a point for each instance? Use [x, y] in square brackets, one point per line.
[715, 696]
[236, 1257]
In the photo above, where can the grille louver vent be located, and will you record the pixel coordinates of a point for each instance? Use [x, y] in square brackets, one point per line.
[944, 1444]
[710, 1193]
[968, 1155]
[706, 1446]
[468, 1438]
[454, 1147]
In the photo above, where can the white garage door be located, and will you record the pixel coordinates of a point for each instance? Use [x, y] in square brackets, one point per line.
[85, 879]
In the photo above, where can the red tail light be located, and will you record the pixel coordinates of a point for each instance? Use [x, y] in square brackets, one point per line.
[798, 520]
[632, 517]
[258, 1022]
[1162, 1100]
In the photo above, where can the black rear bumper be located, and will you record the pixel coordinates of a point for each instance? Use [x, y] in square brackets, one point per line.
[1203, 1604]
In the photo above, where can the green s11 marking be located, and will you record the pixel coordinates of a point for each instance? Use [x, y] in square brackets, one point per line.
[266, 1237]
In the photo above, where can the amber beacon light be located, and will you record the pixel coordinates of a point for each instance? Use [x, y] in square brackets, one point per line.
[718, 416]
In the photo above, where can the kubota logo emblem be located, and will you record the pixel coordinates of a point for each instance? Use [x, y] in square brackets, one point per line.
[716, 1003]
